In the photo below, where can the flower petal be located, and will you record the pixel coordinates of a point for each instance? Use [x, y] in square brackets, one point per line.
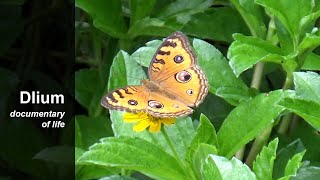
[155, 126]
[142, 125]
[168, 121]
[131, 117]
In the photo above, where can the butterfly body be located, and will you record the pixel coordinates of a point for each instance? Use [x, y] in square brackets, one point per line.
[176, 83]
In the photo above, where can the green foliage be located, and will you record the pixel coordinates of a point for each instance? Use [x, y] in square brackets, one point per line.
[257, 113]
[263, 165]
[223, 168]
[306, 102]
[280, 34]
[292, 166]
[245, 52]
[136, 154]
[221, 79]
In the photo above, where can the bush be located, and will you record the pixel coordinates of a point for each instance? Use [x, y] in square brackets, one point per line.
[262, 60]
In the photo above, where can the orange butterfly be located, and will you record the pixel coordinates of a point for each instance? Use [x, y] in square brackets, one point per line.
[176, 83]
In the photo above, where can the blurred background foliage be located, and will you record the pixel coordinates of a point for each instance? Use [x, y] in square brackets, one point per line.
[36, 54]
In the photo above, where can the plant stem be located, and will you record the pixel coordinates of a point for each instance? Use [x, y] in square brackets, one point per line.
[239, 154]
[285, 122]
[259, 142]
[263, 137]
[257, 75]
[255, 83]
[175, 153]
[173, 149]
[289, 81]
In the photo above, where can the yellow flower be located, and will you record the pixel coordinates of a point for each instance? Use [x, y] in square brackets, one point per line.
[145, 120]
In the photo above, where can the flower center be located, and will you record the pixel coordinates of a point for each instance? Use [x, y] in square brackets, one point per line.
[153, 119]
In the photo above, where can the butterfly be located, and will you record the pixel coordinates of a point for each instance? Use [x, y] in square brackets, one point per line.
[176, 83]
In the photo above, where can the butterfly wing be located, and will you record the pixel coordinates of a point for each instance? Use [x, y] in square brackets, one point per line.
[190, 86]
[176, 83]
[174, 53]
[174, 68]
[164, 107]
[140, 99]
[130, 98]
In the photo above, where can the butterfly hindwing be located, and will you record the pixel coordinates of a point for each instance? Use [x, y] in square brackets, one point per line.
[139, 99]
[162, 106]
[189, 85]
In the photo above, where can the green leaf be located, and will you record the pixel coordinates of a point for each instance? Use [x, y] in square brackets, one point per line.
[308, 110]
[308, 44]
[290, 19]
[248, 119]
[310, 139]
[150, 26]
[287, 43]
[200, 154]
[89, 130]
[144, 55]
[124, 71]
[311, 62]
[78, 153]
[209, 170]
[283, 156]
[252, 15]
[307, 23]
[310, 173]
[94, 172]
[135, 154]
[91, 171]
[293, 166]
[205, 137]
[307, 85]
[217, 70]
[234, 95]
[180, 133]
[205, 133]
[263, 165]
[141, 8]
[180, 6]
[217, 23]
[63, 155]
[223, 168]
[107, 16]
[89, 90]
[246, 51]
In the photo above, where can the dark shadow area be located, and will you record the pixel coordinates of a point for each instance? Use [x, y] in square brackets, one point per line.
[37, 58]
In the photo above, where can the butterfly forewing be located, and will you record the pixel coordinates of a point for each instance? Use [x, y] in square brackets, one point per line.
[174, 54]
[129, 98]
